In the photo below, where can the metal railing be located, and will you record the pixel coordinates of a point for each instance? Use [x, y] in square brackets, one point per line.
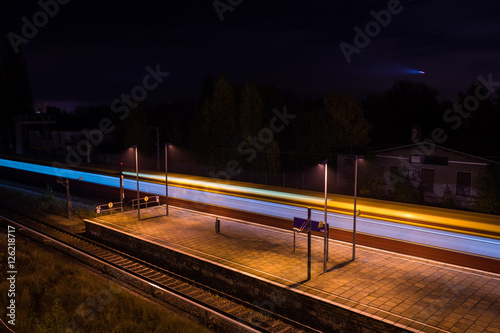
[111, 207]
[144, 202]
[114, 207]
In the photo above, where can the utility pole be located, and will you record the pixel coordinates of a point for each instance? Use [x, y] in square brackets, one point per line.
[308, 243]
[326, 229]
[354, 215]
[166, 177]
[65, 183]
[137, 180]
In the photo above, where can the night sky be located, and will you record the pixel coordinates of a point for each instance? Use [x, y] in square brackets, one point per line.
[90, 52]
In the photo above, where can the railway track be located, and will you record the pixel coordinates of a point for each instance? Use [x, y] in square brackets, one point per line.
[218, 311]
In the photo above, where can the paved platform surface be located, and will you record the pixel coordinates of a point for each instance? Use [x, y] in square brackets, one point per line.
[417, 294]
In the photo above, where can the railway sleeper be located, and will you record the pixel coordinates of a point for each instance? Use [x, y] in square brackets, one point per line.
[118, 260]
[109, 256]
[204, 297]
[156, 276]
[130, 265]
[174, 284]
[166, 280]
[143, 270]
[185, 287]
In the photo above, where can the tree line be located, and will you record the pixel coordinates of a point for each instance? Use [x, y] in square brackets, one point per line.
[263, 129]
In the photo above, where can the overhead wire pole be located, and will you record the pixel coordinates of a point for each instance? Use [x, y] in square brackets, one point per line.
[354, 215]
[68, 198]
[326, 229]
[308, 243]
[65, 183]
[137, 179]
[166, 176]
[122, 190]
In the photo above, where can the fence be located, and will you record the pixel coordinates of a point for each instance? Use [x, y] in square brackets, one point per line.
[144, 202]
[111, 207]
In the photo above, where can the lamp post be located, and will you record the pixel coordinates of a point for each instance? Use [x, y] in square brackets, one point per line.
[354, 215]
[166, 176]
[122, 185]
[325, 257]
[308, 244]
[137, 179]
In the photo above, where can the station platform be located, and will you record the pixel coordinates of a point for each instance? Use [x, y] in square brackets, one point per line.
[411, 293]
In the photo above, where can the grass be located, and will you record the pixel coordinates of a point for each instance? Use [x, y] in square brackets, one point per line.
[46, 201]
[56, 295]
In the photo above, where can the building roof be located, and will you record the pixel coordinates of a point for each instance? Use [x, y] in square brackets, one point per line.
[421, 146]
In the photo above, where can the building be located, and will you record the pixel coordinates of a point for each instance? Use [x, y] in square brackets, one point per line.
[436, 173]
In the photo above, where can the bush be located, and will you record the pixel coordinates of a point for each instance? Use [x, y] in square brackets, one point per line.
[488, 191]
[405, 192]
[448, 200]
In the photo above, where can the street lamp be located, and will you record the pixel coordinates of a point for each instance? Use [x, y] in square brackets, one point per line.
[355, 197]
[122, 185]
[325, 258]
[137, 179]
[166, 175]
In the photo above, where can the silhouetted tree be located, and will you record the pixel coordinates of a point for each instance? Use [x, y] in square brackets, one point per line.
[339, 125]
[394, 113]
[488, 191]
[16, 97]
[273, 158]
[197, 143]
[219, 126]
[15, 89]
[137, 131]
[473, 125]
[250, 115]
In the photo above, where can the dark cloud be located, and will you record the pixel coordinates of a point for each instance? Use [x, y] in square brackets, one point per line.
[93, 51]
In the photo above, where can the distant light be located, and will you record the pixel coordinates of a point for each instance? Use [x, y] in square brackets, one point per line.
[413, 71]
